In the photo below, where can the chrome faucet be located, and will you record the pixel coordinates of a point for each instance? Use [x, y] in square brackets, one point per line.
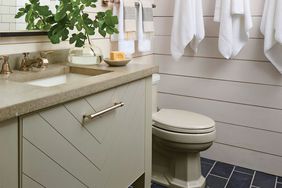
[27, 64]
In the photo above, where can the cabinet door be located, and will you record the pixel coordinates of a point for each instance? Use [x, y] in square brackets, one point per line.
[59, 150]
[9, 154]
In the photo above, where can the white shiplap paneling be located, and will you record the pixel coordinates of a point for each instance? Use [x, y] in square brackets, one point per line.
[243, 94]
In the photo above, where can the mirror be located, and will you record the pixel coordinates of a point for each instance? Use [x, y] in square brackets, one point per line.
[9, 26]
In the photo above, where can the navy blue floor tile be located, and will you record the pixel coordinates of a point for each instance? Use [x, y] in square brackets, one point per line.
[205, 168]
[279, 185]
[245, 170]
[239, 180]
[264, 180]
[222, 169]
[154, 185]
[205, 160]
[215, 182]
[279, 179]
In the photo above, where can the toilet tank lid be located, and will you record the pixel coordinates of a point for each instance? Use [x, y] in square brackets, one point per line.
[183, 121]
[156, 79]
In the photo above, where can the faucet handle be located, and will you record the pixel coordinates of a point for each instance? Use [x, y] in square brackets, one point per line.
[26, 54]
[44, 62]
[5, 58]
[6, 69]
[43, 54]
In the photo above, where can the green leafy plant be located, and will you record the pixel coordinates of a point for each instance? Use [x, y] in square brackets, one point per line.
[70, 21]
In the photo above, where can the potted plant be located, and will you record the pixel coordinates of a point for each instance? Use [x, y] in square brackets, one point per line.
[69, 22]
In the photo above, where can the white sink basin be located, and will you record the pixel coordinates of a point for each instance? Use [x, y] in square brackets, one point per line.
[56, 80]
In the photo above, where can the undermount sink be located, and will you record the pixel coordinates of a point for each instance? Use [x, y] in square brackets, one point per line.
[57, 75]
[56, 80]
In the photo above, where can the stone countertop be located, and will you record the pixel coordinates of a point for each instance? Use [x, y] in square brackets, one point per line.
[18, 98]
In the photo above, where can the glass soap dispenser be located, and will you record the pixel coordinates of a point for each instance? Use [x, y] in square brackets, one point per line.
[86, 55]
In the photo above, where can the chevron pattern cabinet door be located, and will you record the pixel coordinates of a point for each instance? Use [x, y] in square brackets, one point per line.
[61, 151]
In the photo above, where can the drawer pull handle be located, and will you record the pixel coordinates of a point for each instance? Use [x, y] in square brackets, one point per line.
[95, 115]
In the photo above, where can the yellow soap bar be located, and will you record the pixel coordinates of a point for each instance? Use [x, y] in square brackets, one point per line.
[117, 56]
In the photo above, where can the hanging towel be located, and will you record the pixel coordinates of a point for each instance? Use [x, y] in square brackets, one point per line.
[130, 17]
[188, 26]
[145, 27]
[125, 43]
[271, 28]
[235, 23]
[148, 18]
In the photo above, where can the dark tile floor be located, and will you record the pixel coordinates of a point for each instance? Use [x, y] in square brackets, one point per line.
[222, 175]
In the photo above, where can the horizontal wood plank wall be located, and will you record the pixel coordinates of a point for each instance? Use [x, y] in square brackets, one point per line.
[242, 95]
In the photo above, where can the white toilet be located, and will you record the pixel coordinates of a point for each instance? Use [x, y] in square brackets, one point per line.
[178, 138]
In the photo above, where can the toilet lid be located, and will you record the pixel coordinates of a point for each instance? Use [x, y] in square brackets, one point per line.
[183, 121]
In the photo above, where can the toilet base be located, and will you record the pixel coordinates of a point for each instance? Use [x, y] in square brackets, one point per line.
[175, 169]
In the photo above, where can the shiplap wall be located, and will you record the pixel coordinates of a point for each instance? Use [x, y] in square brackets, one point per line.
[243, 95]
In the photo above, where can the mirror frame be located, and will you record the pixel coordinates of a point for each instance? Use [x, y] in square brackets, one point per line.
[23, 34]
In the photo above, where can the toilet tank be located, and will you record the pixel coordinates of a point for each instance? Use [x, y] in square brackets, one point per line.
[155, 81]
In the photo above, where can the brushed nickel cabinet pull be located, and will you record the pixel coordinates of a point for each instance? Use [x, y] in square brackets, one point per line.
[95, 115]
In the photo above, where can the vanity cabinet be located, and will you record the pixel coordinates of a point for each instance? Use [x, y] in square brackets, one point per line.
[9, 154]
[59, 149]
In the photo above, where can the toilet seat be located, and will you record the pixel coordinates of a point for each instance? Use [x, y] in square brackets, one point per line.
[180, 121]
[184, 138]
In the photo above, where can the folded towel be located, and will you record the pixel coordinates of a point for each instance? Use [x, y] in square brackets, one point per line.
[238, 7]
[235, 23]
[144, 37]
[148, 18]
[188, 26]
[125, 43]
[271, 28]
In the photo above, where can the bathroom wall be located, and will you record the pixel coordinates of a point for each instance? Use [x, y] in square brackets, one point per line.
[13, 45]
[243, 95]
[18, 45]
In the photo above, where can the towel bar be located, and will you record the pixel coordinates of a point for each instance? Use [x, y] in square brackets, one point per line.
[106, 2]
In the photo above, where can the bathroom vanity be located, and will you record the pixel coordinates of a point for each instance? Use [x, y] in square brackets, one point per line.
[87, 131]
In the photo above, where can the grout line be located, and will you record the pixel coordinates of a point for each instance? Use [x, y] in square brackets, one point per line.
[229, 177]
[253, 179]
[211, 169]
[219, 176]
[276, 182]
[243, 173]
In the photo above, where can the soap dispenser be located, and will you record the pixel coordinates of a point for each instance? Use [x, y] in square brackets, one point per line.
[6, 69]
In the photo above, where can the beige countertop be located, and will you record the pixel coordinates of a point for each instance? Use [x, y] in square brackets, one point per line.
[18, 98]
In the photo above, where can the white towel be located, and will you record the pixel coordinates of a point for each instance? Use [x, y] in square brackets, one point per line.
[271, 27]
[188, 26]
[235, 23]
[125, 45]
[144, 39]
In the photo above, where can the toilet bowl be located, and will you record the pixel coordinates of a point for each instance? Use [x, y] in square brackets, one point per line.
[178, 138]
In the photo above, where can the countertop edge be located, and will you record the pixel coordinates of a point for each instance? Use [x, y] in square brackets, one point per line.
[30, 106]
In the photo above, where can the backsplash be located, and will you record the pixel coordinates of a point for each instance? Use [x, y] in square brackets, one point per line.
[59, 56]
